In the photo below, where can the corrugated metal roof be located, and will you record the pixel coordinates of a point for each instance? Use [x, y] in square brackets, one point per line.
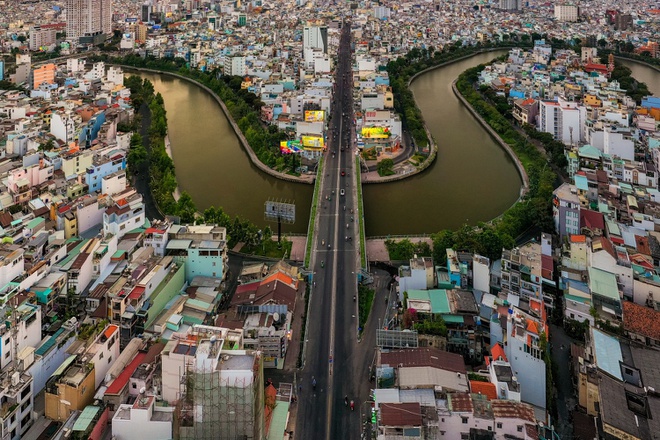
[65, 364]
[86, 418]
[49, 343]
[278, 421]
[607, 352]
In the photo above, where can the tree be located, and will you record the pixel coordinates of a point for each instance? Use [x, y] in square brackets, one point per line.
[385, 167]
[47, 146]
[442, 241]
[185, 208]
[136, 139]
[137, 155]
[602, 43]
[21, 38]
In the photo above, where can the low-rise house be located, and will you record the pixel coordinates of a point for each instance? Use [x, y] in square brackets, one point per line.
[143, 419]
[425, 368]
[641, 324]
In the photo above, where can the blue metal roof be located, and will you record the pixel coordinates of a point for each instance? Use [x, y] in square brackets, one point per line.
[608, 353]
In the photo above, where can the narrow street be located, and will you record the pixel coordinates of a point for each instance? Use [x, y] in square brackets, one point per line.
[566, 399]
[141, 180]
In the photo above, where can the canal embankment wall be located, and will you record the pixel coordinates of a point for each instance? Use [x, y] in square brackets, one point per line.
[506, 147]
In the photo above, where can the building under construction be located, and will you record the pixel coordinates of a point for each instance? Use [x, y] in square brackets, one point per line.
[221, 393]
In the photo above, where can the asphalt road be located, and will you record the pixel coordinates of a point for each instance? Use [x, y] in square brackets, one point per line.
[333, 356]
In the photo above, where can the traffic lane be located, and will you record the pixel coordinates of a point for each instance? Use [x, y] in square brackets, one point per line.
[350, 366]
[346, 421]
[314, 408]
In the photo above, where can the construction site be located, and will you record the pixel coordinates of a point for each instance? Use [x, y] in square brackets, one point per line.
[223, 400]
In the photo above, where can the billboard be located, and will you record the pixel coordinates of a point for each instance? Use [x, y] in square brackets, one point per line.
[376, 132]
[288, 147]
[312, 142]
[314, 115]
[131, 20]
[280, 210]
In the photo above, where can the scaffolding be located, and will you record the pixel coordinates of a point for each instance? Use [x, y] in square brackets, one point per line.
[216, 407]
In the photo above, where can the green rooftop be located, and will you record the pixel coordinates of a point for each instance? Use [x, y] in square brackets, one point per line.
[603, 283]
[86, 418]
[437, 298]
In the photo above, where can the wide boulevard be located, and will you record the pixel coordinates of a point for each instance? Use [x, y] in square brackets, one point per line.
[334, 359]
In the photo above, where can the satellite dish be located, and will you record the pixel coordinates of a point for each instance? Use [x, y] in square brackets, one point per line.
[276, 317]
[213, 339]
[108, 378]
[142, 390]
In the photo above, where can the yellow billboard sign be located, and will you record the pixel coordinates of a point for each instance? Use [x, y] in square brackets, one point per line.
[314, 115]
[376, 132]
[312, 142]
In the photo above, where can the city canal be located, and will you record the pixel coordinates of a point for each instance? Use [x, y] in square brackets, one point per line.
[472, 180]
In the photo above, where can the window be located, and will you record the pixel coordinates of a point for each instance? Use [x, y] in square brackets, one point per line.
[134, 385]
[7, 354]
[520, 428]
[490, 428]
[100, 355]
[499, 425]
[464, 420]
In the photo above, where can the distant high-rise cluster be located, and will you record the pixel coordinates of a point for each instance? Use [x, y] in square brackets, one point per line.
[88, 21]
[511, 4]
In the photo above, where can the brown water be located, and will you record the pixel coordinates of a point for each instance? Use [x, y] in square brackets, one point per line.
[472, 180]
[646, 75]
[212, 166]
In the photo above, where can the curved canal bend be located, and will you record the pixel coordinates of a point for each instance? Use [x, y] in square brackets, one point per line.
[212, 166]
[472, 180]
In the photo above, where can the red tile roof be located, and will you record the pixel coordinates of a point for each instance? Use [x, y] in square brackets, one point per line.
[591, 219]
[110, 331]
[400, 414]
[510, 409]
[136, 292]
[498, 352]
[460, 402]
[120, 382]
[641, 320]
[488, 389]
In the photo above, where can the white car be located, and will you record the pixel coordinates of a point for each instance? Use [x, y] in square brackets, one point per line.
[342, 192]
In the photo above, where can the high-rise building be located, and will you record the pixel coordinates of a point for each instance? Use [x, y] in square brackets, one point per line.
[315, 37]
[88, 21]
[511, 4]
[566, 12]
[145, 12]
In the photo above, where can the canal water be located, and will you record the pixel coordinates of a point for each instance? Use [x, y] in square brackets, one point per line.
[645, 74]
[472, 179]
[212, 166]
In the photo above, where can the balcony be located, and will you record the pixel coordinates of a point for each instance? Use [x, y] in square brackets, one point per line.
[7, 409]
